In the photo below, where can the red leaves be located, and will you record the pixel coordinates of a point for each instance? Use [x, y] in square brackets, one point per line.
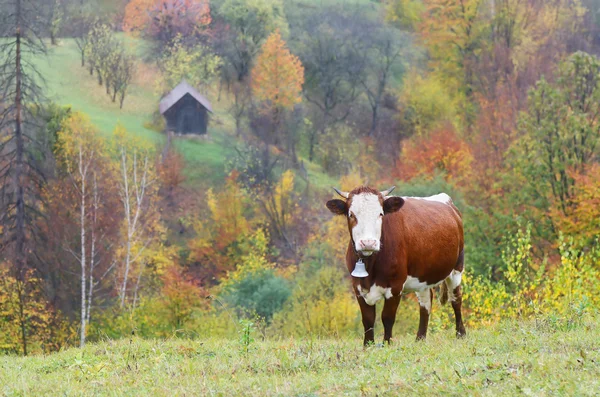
[440, 151]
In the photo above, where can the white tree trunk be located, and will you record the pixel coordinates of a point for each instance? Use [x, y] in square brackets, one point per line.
[83, 176]
[133, 195]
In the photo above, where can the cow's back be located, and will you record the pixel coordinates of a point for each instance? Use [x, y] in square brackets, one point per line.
[426, 236]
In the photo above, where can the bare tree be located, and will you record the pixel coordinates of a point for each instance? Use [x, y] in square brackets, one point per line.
[137, 191]
[21, 175]
[328, 48]
[381, 48]
[81, 27]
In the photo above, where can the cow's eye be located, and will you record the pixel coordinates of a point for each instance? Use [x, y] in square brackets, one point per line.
[381, 215]
[351, 215]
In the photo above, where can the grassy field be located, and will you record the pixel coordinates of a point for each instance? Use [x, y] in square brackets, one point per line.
[534, 358]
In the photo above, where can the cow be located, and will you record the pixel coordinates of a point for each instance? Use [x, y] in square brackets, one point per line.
[399, 245]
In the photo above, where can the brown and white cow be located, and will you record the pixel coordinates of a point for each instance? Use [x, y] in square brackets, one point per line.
[407, 244]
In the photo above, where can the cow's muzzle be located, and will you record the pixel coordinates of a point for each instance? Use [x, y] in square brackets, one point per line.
[368, 247]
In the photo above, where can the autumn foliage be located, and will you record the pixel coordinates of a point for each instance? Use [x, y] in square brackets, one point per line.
[164, 19]
[583, 221]
[441, 151]
[278, 75]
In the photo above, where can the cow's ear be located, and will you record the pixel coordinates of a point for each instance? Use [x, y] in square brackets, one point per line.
[392, 204]
[338, 207]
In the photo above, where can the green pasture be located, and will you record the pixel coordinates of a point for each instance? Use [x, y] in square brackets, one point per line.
[537, 358]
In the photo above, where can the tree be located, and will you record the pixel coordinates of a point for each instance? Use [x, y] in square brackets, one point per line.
[163, 20]
[328, 47]
[381, 48]
[56, 20]
[82, 24]
[278, 75]
[452, 31]
[583, 223]
[81, 155]
[100, 45]
[404, 13]
[277, 81]
[197, 65]
[250, 23]
[121, 71]
[137, 187]
[254, 288]
[440, 151]
[561, 131]
[21, 175]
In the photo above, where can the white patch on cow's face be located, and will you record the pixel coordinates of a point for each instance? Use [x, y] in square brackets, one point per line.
[440, 198]
[412, 284]
[369, 217]
[375, 294]
[453, 281]
[425, 299]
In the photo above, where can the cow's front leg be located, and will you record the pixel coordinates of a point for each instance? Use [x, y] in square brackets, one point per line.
[388, 316]
[425, 298]
[368, 320]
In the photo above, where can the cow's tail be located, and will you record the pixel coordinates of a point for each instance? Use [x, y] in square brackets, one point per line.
[443, 293]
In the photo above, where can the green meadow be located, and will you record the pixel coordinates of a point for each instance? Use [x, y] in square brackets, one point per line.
[537, 358]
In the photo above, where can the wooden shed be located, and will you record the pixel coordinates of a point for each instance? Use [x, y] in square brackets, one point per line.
[185, 110]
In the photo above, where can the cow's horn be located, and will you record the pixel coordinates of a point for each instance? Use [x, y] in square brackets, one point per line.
[343, 194]
[387, 192]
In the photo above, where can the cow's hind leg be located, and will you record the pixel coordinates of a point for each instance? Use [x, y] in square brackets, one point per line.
[368, 320]
[388, 316]
[425, 298]
[454, 291]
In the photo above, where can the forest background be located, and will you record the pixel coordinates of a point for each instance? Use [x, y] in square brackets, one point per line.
[108, 227]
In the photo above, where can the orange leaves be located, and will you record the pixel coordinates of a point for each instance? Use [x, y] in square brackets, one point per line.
[161, 18]
[137, 15]
[278, 75]
[441, 151]
[583, 221]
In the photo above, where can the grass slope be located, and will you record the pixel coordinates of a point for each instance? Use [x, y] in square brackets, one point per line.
[506, 359]
[67, 83]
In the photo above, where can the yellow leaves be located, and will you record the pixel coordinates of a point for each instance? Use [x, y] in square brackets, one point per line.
[227, 210]
[278, 75]
[529, 289]
[24, 302]
[428, 100]
[197, 65]
[253, 259]
[78, 142]
[406, 13]
[283, 196]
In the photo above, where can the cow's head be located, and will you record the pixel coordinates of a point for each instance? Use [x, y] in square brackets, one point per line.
[365, 208]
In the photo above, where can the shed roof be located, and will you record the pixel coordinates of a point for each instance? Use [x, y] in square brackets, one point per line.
[179, 92]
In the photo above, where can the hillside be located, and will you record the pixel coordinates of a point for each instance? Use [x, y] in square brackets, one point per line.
[510, 358]
[67, 83]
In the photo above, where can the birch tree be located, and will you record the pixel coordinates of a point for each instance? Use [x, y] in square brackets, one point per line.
[81, 156]
[137, 187]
